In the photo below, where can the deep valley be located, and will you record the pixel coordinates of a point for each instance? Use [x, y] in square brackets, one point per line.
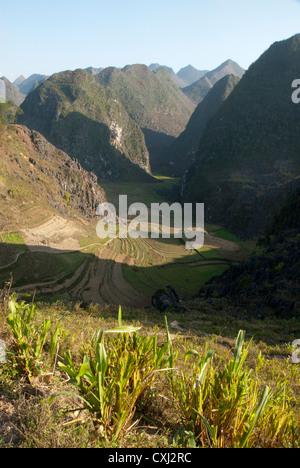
[165, 346]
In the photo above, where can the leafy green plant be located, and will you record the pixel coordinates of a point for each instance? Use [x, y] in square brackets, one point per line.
[117, 366]
[30, 338]
[223, 406]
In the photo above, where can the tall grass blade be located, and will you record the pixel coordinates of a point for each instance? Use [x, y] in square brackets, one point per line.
[260, 409]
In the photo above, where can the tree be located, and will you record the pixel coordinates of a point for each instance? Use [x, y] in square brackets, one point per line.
[8, 113]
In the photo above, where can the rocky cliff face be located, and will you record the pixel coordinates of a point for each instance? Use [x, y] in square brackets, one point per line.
[153, 101]
[76, 186]
[151, 98]
[37, 177]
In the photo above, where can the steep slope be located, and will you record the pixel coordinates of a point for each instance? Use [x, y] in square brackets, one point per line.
[11, 92]
[249, 153]
[152, 100]
[190, 74]
[38, 180]
[180, 154]
[269, 282]
[86, 120]
[198, 90]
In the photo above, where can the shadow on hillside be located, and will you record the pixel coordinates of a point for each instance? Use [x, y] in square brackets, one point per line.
[89, 142]
[78, 276]
[156, 143]
[101, 285]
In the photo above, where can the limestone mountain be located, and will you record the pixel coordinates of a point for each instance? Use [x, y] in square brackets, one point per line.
[29, 84]
[156, 66]
[190, 75]
[93, 71]
[19, 80]
[180, 154]
[199, 89]
[152, 100]
[38, 180]
[78, 115]
[249, 152]
[12, 93]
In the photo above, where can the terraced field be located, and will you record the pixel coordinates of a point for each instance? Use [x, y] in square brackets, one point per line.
[64, 259]
[122, 271]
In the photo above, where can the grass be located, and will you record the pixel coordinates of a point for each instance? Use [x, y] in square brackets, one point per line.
[186, 281]
[150, 192]
[226, 235]
[207, 252]
[250, 363]
[12, 238]
[41, 267]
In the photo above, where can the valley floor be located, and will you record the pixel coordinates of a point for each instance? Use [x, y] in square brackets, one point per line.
[121, 271]
[60, 258]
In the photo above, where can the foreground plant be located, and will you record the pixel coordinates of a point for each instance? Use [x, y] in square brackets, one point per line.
[30, 338]
[223, 406]
[117, 367]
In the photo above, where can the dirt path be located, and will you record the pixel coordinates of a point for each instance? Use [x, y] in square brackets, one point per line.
[3, 267]
[55, 285]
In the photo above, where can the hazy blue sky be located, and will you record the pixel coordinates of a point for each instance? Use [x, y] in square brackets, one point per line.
[47, 37]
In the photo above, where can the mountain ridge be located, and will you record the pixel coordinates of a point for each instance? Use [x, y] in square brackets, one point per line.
[199, 89]
[87, 121]
[248, 153]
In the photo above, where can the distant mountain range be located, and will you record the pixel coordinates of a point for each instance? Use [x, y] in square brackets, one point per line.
[248, 156]
[199, 89]
[155, 106]
[26, 85]
[18, 90]
[180, 82]
[190, 75]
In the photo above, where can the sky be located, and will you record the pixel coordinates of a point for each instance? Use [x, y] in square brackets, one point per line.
[48, 37]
